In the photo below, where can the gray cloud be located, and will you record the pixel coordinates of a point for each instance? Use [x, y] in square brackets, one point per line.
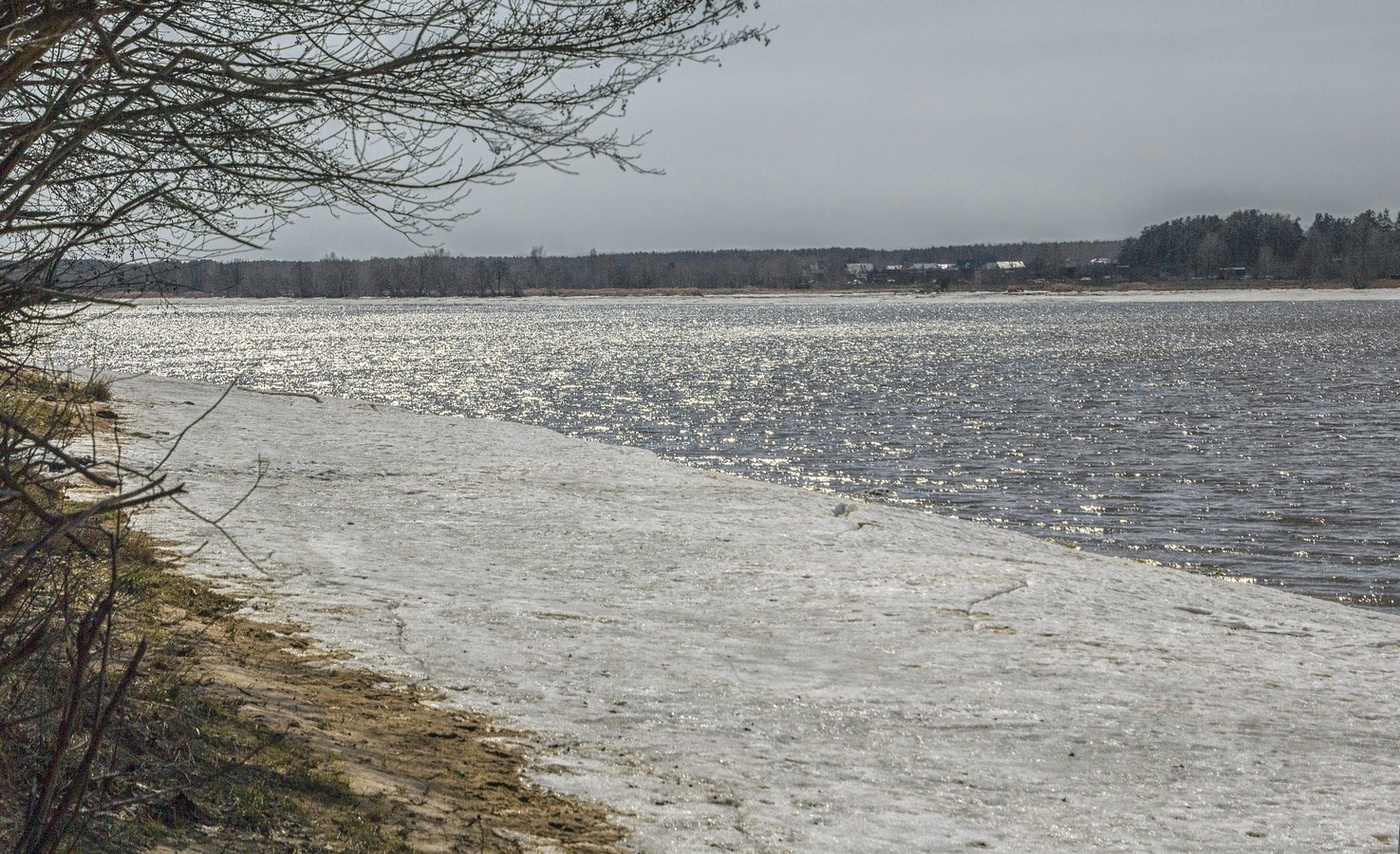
[907, 123]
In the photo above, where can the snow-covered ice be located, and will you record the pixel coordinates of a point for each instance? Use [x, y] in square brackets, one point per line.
[735, 665]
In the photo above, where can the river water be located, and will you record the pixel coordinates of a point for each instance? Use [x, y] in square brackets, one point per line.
[1254, 436]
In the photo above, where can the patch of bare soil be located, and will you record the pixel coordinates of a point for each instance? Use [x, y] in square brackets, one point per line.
[418, 776]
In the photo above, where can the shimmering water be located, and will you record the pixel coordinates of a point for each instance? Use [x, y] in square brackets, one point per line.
[1252, 438]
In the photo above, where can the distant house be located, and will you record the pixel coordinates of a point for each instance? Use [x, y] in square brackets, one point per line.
[1000, 272]
[933, 266]
[1103, 268]
[860, 270]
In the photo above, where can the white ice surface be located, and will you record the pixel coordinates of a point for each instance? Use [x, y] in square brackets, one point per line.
[739, 666]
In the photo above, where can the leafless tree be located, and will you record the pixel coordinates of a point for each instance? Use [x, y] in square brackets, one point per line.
[143, 130]
[161, 128]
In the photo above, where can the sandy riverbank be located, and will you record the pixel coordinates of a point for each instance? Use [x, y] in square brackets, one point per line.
[750, 667]
[435, 778]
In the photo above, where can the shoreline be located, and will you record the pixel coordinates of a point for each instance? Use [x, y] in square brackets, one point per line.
[424, 775]
[1127, 291]
[733, 663]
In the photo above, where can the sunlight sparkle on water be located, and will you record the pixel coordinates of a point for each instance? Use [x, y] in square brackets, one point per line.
[1249, 438]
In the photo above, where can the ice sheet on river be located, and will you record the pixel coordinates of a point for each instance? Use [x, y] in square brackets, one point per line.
[741, 666]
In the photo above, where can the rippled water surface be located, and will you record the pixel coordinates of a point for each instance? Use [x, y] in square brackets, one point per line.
[1252, 438]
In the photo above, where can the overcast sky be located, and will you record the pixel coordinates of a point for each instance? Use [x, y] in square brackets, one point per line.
[905, 123]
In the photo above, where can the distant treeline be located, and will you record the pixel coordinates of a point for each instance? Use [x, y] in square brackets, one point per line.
[1254, 245]
[1244, 245]
[440, 274]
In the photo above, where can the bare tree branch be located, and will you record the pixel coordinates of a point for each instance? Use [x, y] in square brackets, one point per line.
[165, 128]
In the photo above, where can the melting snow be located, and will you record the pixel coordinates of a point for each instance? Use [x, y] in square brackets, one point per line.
[741, 666]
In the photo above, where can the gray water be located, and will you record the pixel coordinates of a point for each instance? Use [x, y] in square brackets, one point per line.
[1255, 439]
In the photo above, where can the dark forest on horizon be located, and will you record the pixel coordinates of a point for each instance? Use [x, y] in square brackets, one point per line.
[1245, 246]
